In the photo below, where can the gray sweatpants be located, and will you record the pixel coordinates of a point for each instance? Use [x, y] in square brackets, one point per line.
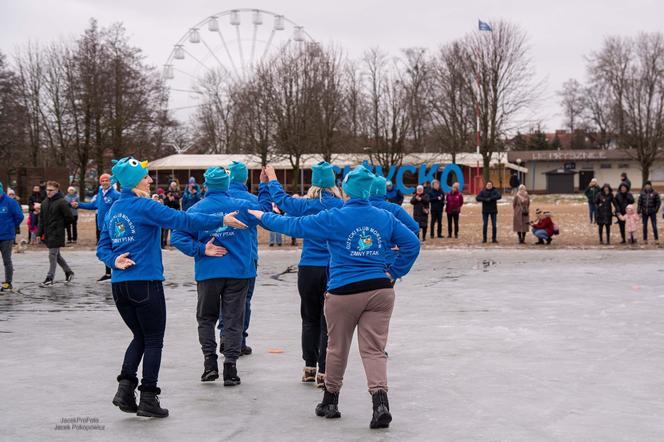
[54, 257]
[6, 250]
[231, 293]
[370, 312]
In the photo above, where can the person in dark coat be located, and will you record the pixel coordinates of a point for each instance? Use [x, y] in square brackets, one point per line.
[649, 204]
[624, 180]
[604, 217]
[420, 202]
[54, 216]
[489, 197]
[172, 200]
[437, 203]
[514, 182]
[622, 199]
[591, 195]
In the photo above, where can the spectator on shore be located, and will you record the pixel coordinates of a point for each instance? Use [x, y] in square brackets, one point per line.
[622, 199]
[631, 221]
[171, 200]
[420, 202]
[489, 197]
[543, 228]
[34, 198]
[591, 195]
[437, 202]
[648, 207]
[521, 217]
[454, 201]
[191, 195]
[514, 182]
[393, 194]
[174, 187]
[33, 225]
[604, 216]
[624, 180]
[72, 227]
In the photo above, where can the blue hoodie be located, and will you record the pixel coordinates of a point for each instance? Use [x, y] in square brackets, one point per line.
[134, 225]
[11, 216]
[239, 191]
[101, 203]
[400, 214]
[237, 263]
[357, 236]
[314, 250]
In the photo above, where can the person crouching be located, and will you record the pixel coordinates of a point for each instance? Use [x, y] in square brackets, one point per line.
[543, 228]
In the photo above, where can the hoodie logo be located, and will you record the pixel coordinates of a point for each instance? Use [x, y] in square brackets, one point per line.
[222, 231]
[121, 229]
[364, 241]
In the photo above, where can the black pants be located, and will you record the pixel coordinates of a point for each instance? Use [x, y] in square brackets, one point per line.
[312, 283]
[6, 247]
[653, 221]
[485, 225]
[229, 294]
[452, 217]
[72, 230]
[107, 270]
[621, 225]
[608, 232]
[437, 218]
[423, 230]
[143, 308]
[164, 237]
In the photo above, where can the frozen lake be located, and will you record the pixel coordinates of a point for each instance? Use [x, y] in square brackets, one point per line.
[487, 344]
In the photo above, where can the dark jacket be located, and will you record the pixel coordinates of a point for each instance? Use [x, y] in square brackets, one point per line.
[394, 195]
[436, 199]
[591, 193]
[604, 205]
[488, 199]
[621, 201]
[36, 197]
[649, 202]
[627, 183]
[175, 204]
[54, 215]
[420, 208]
[514, 181]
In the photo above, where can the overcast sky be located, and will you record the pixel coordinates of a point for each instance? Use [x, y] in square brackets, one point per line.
[561, 33]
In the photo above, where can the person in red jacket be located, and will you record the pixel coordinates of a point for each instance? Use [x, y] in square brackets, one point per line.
[543, 228]
[453, 209]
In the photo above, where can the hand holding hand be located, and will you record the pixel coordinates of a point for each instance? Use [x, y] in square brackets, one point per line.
[214, 250]
[256, 213]
[264, 178]
[122, 262]
[270, 172]
[231, 221]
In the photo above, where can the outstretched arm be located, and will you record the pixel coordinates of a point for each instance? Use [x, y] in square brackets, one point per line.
[409, 248]
[316, 226]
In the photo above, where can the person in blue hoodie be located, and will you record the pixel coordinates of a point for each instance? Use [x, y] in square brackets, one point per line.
[130, 242]
[312, 269]
[360, 291]
[11, 216]
[238, 190]
[222, 281]
[101, 202]
[191, 195]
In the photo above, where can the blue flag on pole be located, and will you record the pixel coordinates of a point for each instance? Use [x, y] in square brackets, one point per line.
[484, 26]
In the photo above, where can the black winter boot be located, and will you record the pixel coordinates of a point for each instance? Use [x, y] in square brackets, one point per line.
[149, 403]
[329, 408]
[210, 369]
[125, 398]
[381, 410]
[230, 375]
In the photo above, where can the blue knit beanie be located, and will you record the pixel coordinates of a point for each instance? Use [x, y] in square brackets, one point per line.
[378, 188]
[358, 182]
[322, 174]
[238, 172]
[128, 171]
[217, 178]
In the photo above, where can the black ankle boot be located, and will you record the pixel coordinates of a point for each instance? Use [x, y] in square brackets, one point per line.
[125, 398]
[149, 403]
[381, 410]
[230, 375]
[210, 369]
[329, 408]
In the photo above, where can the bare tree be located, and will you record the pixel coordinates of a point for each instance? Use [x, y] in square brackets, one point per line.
[573, 103]
[29, 91]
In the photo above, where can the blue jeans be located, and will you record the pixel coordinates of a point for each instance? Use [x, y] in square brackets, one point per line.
[143, 308]
[592, 211]
[653, 221]
[541, 234]
[275, 238]
[247, 313]
[485, 225]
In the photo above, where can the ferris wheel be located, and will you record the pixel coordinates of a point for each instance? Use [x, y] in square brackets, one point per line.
[229, 44]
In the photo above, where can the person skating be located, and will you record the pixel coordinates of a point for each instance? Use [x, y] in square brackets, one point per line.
[314, 261]
[360, 291]
[437, 203]
[420, 202]
[130, 243]
[648, 207]
[11, 216]
[54, 215]
[521, 218]
[453, 204]
[604, 216]
[489, 197]
[101, 203]
[239, 174]
[623, 198]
